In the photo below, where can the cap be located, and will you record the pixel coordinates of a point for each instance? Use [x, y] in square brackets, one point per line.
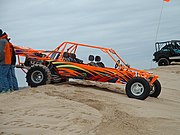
[1, 32]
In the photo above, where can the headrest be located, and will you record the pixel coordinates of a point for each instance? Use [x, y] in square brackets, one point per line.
[66, 55]
[98, 58]
[91, 58]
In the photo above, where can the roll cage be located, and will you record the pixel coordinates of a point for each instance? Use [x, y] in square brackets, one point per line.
[70, 47]
[173, 44]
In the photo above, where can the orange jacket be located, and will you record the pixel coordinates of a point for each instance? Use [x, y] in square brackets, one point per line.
[7, 50]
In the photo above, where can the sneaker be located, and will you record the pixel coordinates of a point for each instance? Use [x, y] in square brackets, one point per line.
[3, 91]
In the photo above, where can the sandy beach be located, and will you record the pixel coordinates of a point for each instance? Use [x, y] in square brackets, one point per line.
[90, 108]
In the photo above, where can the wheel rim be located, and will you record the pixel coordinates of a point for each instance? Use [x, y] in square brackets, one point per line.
[37, 76]
[163, 63]
[152, 89]
[137, 89]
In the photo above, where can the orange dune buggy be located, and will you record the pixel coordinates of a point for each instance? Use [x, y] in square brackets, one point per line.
[59, 65]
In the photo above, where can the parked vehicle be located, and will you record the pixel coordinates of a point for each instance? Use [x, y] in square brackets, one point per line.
[167, 52]
[43, 67]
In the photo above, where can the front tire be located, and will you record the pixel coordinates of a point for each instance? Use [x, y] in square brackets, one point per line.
[163, 62]
[155, 89]
[38, 75]
[138, 88]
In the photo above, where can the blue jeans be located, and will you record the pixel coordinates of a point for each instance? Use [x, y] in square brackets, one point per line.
[12, 78]
[4, 79]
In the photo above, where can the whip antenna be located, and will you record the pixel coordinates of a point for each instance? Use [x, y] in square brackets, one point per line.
[159, 21]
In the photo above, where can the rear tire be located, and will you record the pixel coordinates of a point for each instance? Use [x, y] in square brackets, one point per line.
[138, 88]
[163, 62]
[155, 89]
[38, 75]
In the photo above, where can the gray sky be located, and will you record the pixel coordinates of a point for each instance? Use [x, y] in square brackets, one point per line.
[127, 26]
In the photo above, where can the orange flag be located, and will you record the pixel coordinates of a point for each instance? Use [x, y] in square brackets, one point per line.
[167, 0]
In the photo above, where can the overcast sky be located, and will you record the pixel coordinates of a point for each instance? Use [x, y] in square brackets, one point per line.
[127, 26]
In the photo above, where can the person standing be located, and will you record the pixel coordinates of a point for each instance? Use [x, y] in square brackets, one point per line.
[9, 54]
[13, 80]
[5, 62]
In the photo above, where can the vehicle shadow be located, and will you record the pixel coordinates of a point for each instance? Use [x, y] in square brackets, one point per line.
[107, 87]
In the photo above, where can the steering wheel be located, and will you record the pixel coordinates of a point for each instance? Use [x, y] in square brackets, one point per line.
[116, 65]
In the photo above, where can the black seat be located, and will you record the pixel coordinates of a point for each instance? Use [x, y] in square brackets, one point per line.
[98, 61]
[91, 59]
[66, 56]
[72, 57]
[79, 61]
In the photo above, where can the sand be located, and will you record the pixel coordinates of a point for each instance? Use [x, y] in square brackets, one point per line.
[89, 108]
